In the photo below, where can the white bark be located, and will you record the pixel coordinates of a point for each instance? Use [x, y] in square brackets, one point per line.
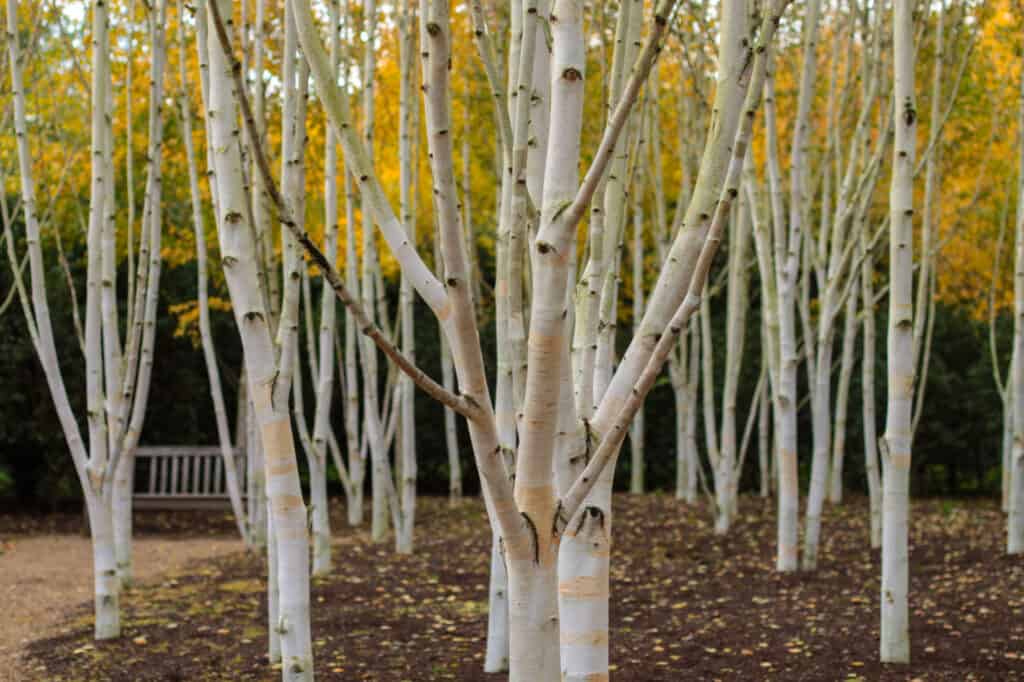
[320, 521]
[585, 508]
[867, 383]
[1015, 518]
[205, 333]
[842, 398]
[798, 202]
[356, 455]
[407, 130]
[895, 635]
[636, 433]
[727, 473]
[111, 443]
[239, 259]
[787, 250]
[524, 521]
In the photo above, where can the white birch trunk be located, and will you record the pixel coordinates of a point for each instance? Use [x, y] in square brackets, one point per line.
[895, 635]
[205, 333]
[835, 495]
[867, 383]
[787, 250]
[727, 473]
[128, 423]
[636, 433]
[320, 513]
[239, 258]
[798, 201]
[356, 456]
[693, 383]
[1015, 388]
[764, 466]
[106, 583]
[407, 442]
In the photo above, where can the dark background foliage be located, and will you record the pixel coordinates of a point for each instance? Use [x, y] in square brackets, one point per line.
[956, 450]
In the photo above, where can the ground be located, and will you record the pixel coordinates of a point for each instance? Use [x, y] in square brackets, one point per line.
[46, 572]
[685, 604]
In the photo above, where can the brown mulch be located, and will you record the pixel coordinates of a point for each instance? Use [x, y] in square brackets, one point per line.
[686, 605]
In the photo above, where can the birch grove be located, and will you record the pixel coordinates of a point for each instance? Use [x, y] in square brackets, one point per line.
[673, 199]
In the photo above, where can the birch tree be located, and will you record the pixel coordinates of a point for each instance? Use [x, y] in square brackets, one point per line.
[1015, 522]
[524, 513]
[117, 370]
[895, 636]
[856, 173]
[786, 249]
[264, 363]
[205, 333]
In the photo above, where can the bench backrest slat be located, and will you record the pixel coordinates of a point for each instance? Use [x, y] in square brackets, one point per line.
[180, 474]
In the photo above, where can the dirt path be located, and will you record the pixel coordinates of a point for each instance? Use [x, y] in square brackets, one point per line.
[43, 579]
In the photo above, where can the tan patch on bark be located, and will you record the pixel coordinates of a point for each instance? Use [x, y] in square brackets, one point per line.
[585, 638]
[279, 447]
[535, 496]
[286, 503]
[584, 587]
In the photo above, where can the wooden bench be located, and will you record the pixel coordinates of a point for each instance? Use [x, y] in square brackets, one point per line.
[182, 477]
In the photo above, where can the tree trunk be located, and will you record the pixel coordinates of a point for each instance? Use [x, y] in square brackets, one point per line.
[1015, 519]
[787, 258]
[205, 333]
[895, 635]
[407, 131]
[238, 252]
[868, 393]
[835, 495]
[497, 652]
[106, 581]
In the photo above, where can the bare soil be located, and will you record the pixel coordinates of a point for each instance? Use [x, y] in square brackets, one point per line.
[46, 572]
[686, 605]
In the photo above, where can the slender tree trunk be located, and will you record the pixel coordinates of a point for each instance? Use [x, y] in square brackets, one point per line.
[381, 468]
[923, 320]
[205, 333]
[1015, 388]
[727, 474]
[320, 513]
[104, 563]
[868, 398]
[764, 467]
[239, 258]
[787, 258]
[356, 456]
[636, 437]
[798, 202]
[835, 495]
[273, 592]
[407, 130]
[895, 635]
